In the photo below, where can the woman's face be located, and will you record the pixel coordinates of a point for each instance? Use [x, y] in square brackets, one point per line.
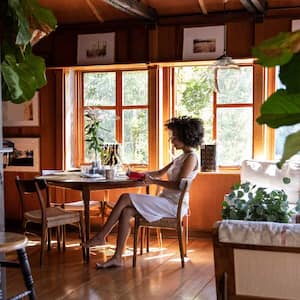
[175, 141]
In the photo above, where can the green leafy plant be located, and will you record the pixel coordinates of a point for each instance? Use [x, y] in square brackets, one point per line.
[93, 129]
[248, 202]
[25, 23]
[283, 106]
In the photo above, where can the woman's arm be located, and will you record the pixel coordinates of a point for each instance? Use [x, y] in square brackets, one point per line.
[189, 165]
[161, 172]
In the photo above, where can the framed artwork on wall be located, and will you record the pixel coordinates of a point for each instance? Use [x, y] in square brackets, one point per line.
[25, 156]
[23, 114]
[200, 43]
[295, 25]
[96, 49]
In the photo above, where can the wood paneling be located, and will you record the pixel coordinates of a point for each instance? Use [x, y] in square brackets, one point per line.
[50, 134]
[206, 197]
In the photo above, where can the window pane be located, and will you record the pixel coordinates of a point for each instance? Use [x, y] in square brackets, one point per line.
[108, 131]
[234, 145]
[135, 136]
[99, 88]
[194, 94]
[235, 86]
[135, 88]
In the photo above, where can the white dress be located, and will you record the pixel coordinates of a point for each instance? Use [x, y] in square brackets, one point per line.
[153, 208]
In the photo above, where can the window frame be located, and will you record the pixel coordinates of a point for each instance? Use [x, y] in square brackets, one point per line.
[118, 107]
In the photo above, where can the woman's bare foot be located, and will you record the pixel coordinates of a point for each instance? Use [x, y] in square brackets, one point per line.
[111, 263]
[96, 240]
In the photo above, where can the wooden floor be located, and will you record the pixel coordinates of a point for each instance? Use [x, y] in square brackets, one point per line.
[158, 274]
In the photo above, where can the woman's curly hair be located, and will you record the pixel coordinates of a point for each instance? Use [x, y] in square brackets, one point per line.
[188, 130]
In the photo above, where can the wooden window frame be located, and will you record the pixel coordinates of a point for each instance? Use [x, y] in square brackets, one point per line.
[119, 107]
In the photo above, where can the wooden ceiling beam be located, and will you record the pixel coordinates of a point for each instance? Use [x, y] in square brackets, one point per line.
[255, 6]
[134, 8]
[202, 7]
[94, 10]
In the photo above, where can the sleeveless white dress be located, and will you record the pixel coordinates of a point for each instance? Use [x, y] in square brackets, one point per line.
[153, 208]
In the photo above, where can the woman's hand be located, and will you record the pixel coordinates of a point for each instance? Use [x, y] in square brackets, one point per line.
[148, 178]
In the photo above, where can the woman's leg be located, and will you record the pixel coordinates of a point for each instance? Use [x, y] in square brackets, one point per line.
[123, 233]
[99, 239]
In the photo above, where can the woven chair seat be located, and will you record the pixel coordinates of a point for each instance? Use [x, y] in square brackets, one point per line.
[55, 216]
[79, 205]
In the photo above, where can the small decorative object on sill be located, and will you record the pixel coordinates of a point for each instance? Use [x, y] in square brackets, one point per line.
[208, 158]
[111, 156]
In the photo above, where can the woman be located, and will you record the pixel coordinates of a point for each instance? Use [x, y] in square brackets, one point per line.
[186, 134]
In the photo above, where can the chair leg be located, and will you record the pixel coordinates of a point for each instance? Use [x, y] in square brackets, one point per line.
[147, 238]
[82, 236]
[141, 240]
[135, 240]
[49, 239]
[180, 241]
[63, 227]
[159, 237]
[58, 237]
[186, 234]
[26, 272]
[43, 241]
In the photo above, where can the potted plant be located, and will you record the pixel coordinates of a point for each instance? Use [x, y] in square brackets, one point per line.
[252, 203]
[25, 23]
[94, 140]
[282, 108]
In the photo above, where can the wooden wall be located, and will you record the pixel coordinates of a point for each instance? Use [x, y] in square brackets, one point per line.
[134, 43]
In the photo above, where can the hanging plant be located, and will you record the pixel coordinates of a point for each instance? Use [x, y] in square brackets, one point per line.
[283, 106]
[25, 23]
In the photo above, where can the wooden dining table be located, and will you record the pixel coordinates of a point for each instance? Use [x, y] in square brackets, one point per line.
[74, 181]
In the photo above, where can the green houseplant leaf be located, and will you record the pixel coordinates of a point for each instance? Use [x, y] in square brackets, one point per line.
[23, 72]
[280, 109]
[289, 74]
[291, 147]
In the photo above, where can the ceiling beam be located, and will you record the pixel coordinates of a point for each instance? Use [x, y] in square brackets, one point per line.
[134, 8]
[94, 10]
[255, 6]
[202, 7]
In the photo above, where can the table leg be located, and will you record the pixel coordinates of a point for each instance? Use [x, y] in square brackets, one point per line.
[86, 201]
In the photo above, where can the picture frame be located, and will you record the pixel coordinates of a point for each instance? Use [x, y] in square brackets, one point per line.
[96, 49]
[25, 156]
[22, 114]
[201, 43]
[295, 25]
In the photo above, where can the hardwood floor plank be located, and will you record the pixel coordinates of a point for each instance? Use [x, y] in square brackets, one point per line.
[158, 274]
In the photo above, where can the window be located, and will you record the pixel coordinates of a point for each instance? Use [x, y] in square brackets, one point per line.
[227, 115]
[121, 98]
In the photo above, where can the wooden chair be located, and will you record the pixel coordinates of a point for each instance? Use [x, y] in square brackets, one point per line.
[95, 206]
[175, 223]
[17, 242]
[48, 217]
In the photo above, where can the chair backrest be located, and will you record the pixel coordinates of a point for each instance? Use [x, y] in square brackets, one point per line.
[32, 187]
[185, 186]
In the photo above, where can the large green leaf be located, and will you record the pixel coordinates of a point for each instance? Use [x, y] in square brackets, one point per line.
[289, 74]
[274, 51]
[291, 147]
[11, 80]
[23, 35]
[42, 15]
[280, 109]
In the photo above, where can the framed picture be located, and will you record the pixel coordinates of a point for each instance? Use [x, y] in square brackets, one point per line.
[295, 25]
[25, 156]
[200, 43]
[98, 48]
[23, 114]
